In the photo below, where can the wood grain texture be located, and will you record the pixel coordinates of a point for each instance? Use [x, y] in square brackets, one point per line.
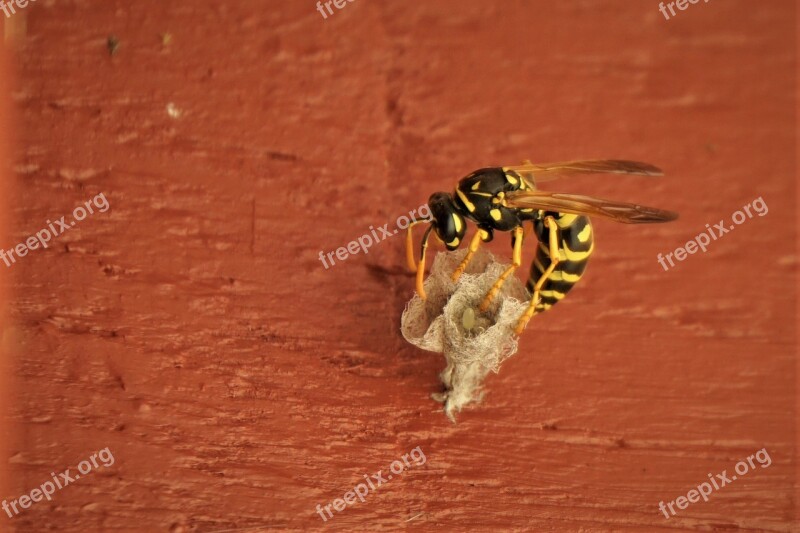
[5, 195]
[193, 331]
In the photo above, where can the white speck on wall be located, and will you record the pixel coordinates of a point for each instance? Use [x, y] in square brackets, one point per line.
[173, 111]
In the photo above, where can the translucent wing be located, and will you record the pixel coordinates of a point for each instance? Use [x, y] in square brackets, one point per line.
[550, 171]
[586, 205]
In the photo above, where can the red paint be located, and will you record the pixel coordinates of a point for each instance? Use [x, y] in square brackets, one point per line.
[193, 331]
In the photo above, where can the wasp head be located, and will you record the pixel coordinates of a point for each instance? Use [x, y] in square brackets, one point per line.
[450, 226]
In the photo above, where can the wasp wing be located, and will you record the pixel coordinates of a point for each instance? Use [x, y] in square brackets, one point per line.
[549, 171]
[586, 205]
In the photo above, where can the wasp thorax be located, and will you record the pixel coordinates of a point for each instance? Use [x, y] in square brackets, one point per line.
[450, 225]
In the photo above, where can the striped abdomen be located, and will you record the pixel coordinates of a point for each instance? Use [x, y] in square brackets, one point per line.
[575, 242]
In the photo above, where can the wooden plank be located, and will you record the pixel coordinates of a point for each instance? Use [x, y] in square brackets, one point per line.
[192, 330]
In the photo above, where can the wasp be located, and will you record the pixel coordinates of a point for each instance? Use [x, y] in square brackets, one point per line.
[504, 199]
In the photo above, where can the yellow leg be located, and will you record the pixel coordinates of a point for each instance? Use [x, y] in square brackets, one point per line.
[515, 263]
[549, 223]
[421, 265]
[473, 247]
[412, 264]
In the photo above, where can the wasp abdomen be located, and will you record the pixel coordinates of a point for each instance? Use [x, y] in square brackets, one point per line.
[575, 245]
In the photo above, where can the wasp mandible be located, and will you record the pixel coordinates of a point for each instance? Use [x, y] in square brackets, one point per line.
[504, 198]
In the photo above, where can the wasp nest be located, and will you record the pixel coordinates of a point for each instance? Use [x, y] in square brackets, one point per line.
[448, 322]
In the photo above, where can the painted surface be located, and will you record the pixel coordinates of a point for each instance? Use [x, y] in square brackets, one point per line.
[193, 331]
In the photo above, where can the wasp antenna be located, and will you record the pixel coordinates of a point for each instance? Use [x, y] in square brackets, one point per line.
[412, 263]
[421, 266]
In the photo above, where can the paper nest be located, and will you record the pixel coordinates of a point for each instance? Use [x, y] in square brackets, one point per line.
[438, 324]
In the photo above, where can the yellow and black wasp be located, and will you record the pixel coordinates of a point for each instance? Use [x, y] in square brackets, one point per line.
[504, 198]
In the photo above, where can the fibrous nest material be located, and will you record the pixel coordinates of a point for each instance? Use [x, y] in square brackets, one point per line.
[449, 322]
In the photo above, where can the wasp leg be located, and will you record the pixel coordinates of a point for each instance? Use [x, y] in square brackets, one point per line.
[515, 263]
[421, 265]
[412, 264]
[550, 223]
[473, 247]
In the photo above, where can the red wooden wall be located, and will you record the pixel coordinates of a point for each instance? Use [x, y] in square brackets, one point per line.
[192, 330]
